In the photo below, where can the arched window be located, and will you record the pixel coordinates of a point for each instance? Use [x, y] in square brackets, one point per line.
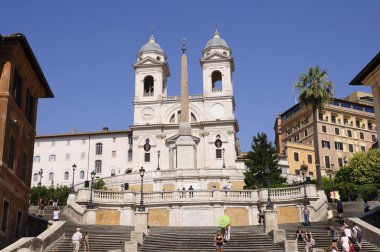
[98, 166]
[66, 176]
[216, 80]
[51, 176]
[193, 118]
[35, 177]
[99, 149]
[113, 172]
[81, 175]
[148, 85]
[176, 117]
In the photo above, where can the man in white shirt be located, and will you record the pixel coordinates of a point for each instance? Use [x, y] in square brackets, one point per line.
[77, 237]
[348, 232]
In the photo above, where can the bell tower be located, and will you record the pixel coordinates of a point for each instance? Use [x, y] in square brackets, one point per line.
[217, 66]
[151, 72]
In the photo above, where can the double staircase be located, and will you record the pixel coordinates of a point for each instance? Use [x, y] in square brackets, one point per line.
[101, 237]
[320, 229]
[200, 239]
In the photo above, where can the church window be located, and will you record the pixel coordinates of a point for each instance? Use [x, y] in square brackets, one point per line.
[216, 80]
[218, 153]
[147, 157]
[81, 175]
[193, 118]
[148, 85]
[158, 58]
[172, 119]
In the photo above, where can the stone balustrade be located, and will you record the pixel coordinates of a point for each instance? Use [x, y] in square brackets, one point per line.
[202, 196]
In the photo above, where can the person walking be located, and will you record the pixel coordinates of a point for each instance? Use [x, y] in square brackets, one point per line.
[336, 195]
[227, 235]
[339, 208]
[55, 201]
[41, 206]
[86, 243]
[345, 243]
[56, 214]
[334, 236]
[330, 217]
[348, 232]
[76, 239]
[218, 242]
[260, 217]
[306, 215]
[332, 196]
[357, 234]
[309, 243]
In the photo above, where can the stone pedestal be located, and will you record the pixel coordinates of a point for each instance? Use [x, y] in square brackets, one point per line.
[291, 245]
[185, 152]
[271, 222]
[131, 246]
[141, 222]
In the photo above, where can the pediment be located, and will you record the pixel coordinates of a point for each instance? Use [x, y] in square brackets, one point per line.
[148, 61]
[173, 139]
[216, 56]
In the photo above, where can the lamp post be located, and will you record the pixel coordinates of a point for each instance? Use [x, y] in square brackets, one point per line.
[304, 168]
[224, 163]
[40, 172]
[72, 186]
[270, 203]
[92, 185]
[158, 163]
[142, 207]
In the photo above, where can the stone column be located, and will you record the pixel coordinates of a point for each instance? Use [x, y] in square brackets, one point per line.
[141, 222]
[271, 222]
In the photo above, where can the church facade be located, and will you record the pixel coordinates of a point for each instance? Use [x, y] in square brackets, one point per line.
[180, 141]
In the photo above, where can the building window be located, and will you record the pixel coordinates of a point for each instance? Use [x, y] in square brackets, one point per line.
[216, 81]
[296, 138]
[325, 144]
[362, 148]
[81, 175]
[340, 162]
[35, 177]
[83, 141]
[52, 158]
[350, 148]
[24, 167]
[67, 157]
[17, 88]
[320, 116]
[361, 135]
[114, 153]
[99, 149]
[357, 123]
[30, 106]
[349, 133]
[336, 131]
[327, 161]
[374, 138]
[51, 176]
[98, 166]
[296, 158]
[130, 139]
[305, 133]
[12, 148]
[311, 173]
[309, 158]
[324, 129]
[148, 86]
[113, 172]
[66, 175]
[333, 119]
[37, 159]
[4, 217]
[218, 153]
[338, 146]
[298, 172]
[83, 155]
[147, 157]
[129, 155]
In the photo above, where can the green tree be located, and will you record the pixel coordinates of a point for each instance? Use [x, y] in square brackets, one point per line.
[362, 168]
[99, 184]
[263, 155]
[314, 91]
[61, 192]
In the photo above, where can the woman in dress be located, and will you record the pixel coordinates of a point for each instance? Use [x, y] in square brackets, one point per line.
[218, 242]
[309, 243]
[345, 243]
[86, 243]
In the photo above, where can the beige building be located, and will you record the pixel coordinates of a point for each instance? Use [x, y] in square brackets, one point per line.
[298, 154]
[344, 127]
[22, 83]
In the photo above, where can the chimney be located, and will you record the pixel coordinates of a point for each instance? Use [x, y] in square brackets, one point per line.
[105, 128]
[73, 131]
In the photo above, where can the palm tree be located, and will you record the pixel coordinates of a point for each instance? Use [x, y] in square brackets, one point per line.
[315, 92]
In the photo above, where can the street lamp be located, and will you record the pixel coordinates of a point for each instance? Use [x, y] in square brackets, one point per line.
[270, 203]
[142, 207]
[224, 163]
[158, 163]
[304, 168]
[40, 172]
[72, 186]
[92, 185]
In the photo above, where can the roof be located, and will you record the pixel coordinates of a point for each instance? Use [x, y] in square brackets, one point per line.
[151, 46]
[104, 132]
[216, 41]
[20, 38]
[358, 80]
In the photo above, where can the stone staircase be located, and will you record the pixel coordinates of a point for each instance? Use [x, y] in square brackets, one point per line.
[101, 237]
[200, 239]
[320, 229]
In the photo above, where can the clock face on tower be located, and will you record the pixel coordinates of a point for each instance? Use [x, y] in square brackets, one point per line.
[147, 114]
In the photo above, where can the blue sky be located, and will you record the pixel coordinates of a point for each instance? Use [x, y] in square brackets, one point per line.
[86, 50]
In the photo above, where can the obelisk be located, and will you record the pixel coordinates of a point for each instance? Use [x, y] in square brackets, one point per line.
[186, 147]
